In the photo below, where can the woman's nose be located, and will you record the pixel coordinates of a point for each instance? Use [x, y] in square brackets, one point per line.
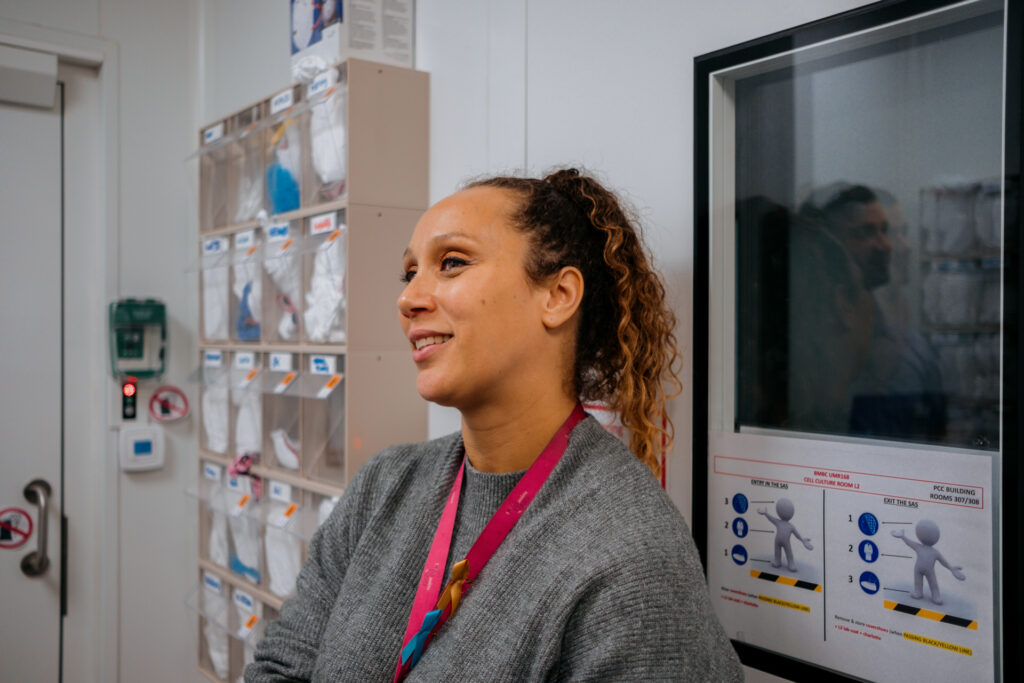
[415, 298]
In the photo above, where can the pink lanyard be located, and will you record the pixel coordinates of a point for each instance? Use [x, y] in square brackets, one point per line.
[424, 621]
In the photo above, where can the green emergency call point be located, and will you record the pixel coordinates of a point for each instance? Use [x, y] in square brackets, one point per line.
[138, 337]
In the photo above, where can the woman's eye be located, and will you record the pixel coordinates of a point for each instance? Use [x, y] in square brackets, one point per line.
[407, 276]
[449, 262]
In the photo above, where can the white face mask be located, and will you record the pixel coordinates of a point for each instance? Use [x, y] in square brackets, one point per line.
[215, 303]
[215, 417]
[284, 554]
[325, 300]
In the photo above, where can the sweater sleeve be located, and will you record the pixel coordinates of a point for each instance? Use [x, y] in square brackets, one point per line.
[290, 645]
[647, 618]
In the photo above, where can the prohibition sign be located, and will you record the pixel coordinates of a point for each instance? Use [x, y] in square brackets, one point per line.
[168, 403]
[15, 528]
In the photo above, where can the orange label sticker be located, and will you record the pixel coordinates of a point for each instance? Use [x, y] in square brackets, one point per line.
[243, 501]
[252, 374]
[251, 621]
[333, 381]
[333, 236]
[330, 91]
[291, 510]
[252, 250]
[287, 243]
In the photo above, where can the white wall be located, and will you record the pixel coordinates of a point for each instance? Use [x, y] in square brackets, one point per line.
[533, 84]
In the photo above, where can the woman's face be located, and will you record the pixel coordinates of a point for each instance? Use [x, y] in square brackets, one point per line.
[469, 310]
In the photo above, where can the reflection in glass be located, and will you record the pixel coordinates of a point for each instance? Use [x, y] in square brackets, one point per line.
[868, 237]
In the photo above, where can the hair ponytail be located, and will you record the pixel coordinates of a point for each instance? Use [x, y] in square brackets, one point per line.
[626, 352]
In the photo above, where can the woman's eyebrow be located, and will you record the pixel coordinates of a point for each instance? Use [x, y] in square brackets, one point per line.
[443, 237]
[453, 235]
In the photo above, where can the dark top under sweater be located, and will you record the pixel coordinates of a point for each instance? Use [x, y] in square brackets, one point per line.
[599, 580]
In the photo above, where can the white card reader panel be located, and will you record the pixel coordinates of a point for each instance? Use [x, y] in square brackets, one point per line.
[141, 447]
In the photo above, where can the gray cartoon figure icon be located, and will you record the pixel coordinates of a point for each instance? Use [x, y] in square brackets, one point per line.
[784, 529]
[924, 567]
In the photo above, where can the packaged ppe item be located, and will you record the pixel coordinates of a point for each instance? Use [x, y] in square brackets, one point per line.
[215, 303]
[951, 294]
[218, 542]
[215, 418]
[248, 286]
[325, 509]
[245, 608]
[286, 451]
[245, 532]
[284, 553]
[248, 657]
[248, 421]
[990, 300]
[284, 171]
[948, 216]
[988, 216]
[328, 135]
[249, 199]
[214, 607]
[325, 300]
[284, 271]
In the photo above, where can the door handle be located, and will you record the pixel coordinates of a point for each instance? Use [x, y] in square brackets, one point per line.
[36, 562]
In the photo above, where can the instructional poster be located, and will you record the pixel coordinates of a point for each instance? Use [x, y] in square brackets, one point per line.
[874, 561]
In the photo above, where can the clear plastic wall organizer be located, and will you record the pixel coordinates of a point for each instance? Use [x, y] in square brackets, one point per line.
[305, 198]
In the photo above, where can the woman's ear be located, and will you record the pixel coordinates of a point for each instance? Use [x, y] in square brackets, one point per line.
[561, 297]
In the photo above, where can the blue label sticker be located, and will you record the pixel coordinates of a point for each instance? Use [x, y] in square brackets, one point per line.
[143, 447]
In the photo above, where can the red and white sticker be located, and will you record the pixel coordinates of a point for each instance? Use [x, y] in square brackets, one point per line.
[15, 528]
[168, 404]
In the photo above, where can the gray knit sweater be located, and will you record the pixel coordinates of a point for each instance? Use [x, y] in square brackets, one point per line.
[599, 580]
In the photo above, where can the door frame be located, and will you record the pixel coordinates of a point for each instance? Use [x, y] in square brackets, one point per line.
[99, 649]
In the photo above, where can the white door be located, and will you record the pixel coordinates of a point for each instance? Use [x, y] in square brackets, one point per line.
[31, 423]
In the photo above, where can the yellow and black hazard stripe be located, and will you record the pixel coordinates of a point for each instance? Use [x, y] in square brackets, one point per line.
[787, 580]
[929, 614]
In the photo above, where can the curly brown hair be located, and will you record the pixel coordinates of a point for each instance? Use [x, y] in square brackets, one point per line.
[626, 352]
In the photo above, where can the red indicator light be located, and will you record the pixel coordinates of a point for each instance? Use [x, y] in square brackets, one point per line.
[128, 389]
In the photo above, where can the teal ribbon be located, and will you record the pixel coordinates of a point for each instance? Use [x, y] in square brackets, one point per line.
[414, 649]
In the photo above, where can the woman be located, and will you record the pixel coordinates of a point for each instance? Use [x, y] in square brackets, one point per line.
[521, 297]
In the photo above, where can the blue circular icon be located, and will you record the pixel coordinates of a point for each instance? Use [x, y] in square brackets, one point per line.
[869, 583]
[739, 554]
[739, 527]
[868, 551]
[739, 503]
[868, 524]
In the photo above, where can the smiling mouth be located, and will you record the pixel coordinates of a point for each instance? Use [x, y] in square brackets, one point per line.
[429, 341]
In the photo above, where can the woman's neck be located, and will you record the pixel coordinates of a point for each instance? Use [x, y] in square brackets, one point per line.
[500, 439]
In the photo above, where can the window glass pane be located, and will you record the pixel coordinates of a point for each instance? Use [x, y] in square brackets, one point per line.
[868, 233]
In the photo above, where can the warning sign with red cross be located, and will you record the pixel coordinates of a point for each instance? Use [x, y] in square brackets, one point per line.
[15, 528]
